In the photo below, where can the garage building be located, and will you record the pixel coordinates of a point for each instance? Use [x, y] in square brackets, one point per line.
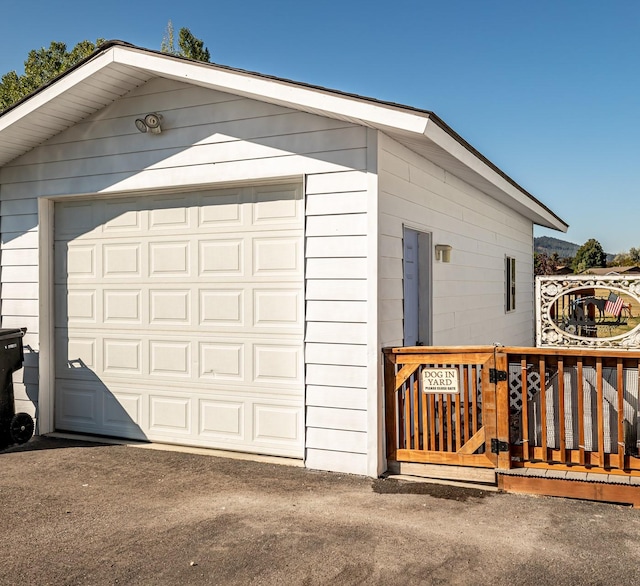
[213, 257]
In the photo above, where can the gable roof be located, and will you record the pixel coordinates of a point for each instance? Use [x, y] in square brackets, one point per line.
[116, 68]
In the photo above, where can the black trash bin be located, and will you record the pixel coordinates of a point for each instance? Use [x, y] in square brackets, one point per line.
[15, 428]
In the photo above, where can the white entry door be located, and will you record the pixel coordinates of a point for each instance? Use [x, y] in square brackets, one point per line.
[417, 287]
[179, 318]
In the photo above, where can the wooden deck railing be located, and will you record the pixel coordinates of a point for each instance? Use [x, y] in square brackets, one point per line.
[516, 406]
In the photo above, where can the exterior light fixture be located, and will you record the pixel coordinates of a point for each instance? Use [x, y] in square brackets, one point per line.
[443, 252]
[150, 123]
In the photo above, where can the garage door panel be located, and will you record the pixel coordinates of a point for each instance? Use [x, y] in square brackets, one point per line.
[221, 258]
[170, 307]
[170, 415]
[221, 211]
[79, 306]
[222, 361]
[169, 259]
[75, 262]
[122, 260]
[121, 216]
[122, 411]
[122, 356]
[79, 405]
[170, 358]
[210, 361]
[73, 356]
[276, 424]
[180, 318]
[278, 308]
[275, 257]
[91, 408]
[222, 419]
[276, 206]
[277, 364]
[80, 219]
[169, 212]
[121, 306]
[222, 307]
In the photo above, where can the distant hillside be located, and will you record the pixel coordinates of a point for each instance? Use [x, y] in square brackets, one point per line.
[548, 245]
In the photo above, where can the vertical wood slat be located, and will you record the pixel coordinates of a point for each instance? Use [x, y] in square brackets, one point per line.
[465, 403]
[448, 422]
[502, 411]
[487, 406]
[407, 414]
[621, 435]
[562, 433]
[637, 411]
[424, 435]
[474, 398]
[457, 409]
[432, 422]
[416, 413]
[440, 424]
[401, 417]
[543, 408]
[581, 447]
[599, 395]
[391, 413]
[525, 407]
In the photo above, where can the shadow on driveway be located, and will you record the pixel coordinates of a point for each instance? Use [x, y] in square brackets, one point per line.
[50, 443]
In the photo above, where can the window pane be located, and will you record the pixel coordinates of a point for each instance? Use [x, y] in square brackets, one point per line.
[510, 283]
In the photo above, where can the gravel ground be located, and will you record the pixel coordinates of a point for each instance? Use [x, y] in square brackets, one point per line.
[73, 512]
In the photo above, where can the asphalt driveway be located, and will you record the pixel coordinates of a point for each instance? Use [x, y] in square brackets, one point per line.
[73, 512]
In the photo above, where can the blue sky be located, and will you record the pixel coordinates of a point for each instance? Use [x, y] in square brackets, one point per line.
[547, 90]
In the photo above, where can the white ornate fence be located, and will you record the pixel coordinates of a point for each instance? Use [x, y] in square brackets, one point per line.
[571, 311]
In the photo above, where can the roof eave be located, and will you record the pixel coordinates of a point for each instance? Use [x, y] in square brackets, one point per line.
[447, 139]
[53, 89]
[266, 88]
[388, 117]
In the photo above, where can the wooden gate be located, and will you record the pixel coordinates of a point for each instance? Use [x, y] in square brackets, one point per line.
[465, 426]
[560, 422]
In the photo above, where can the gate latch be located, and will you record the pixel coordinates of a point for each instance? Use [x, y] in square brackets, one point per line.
[497, 446]
[496, 376]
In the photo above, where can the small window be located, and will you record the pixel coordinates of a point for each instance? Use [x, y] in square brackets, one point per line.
[510, 283]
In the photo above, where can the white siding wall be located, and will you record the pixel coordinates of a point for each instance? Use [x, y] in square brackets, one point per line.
[19, 274]
[337, 330]
[213, 138]
[468, 293]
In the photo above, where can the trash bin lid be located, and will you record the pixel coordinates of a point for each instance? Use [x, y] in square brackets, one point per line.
[12, 332]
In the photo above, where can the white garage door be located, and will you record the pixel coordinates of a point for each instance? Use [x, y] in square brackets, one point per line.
[179, 318]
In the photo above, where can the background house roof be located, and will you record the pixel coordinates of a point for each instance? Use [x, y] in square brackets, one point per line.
[611, 271]
[117, 67]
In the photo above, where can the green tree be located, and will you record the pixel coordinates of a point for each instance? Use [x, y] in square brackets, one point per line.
[42, 65]
[621, 259]
[11, 89]
[589, 255]
[627, 259]
[188, 45]
[543, 264]
[192, 47]
[168, 44]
